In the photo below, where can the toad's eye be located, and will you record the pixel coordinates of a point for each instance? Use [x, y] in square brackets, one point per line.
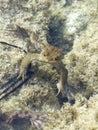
[46, 54]
[56, 58]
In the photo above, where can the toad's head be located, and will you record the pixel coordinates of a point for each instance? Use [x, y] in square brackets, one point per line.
[51, 53]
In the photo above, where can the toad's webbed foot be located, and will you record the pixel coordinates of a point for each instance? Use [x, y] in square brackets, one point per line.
[65, 91]
[21, 74]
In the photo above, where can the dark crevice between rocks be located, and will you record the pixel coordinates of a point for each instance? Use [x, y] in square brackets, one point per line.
[55, 35]
[21, 124]
[63, 100]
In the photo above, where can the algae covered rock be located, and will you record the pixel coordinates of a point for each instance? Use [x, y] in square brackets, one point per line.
[82, 61]
[70, 25]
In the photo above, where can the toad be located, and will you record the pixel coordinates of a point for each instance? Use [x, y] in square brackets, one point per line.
[52, 55]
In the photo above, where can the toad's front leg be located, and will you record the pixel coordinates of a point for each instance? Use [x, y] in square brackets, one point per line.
[25, 63]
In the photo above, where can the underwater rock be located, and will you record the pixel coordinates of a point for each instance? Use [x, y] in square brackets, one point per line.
[73, 28]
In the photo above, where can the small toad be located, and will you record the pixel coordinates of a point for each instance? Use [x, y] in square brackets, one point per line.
[52, 55]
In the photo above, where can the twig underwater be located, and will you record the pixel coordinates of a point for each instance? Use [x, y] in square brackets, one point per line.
[13, 84]
[5, 43]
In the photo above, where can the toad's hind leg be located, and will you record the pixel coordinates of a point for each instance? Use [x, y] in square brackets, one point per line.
[25, 63]
[62, 85]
